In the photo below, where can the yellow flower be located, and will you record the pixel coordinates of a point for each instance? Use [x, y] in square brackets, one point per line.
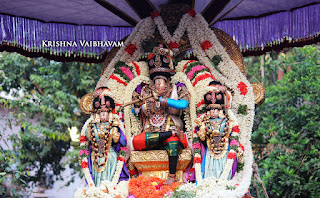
[154, 183]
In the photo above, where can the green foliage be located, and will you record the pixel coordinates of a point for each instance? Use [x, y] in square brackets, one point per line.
[182, 194]
[9, 174]
[288, 121]
[216, 59]
[240, 167]
[46, 105]
[242, 109]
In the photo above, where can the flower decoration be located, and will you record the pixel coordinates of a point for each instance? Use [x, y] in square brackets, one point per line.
[242, 109]
[83, 138]
[197, 160]
[242, 147]
[236, 129]
[173, 45]
[123, 149]
[206, 45]
[150, 187]
[243, 88]
[232, 155]
[191, 12]
[154, 14]
[120, 158]
[84, 165]
[150, 56]
[133, 172]
[131, 49]
[196, 146]
[234, 142]
[83, 152]
[216, 59]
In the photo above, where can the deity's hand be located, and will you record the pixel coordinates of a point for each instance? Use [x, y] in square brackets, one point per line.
[155, 95]
[115, 135]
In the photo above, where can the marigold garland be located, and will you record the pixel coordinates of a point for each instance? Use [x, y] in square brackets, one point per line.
[143, 187]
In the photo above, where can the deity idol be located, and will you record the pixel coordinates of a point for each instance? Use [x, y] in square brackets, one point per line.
[215, 130]
[160, 114]
[103, 137]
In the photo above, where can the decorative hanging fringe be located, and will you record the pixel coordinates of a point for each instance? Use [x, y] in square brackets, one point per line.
[275, 32]
[254, 36]
[57, 41]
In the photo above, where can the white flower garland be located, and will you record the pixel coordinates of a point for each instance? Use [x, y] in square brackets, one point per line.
[144, 29]
[86, 171]
[178, 33]
[190, 114]
[230, 77]
[132, 122]
[106, 190]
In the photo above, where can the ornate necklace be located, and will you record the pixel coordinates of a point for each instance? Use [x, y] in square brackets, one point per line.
[217, 143]
[101, 146]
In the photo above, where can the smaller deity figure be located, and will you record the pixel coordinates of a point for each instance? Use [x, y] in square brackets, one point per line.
[104, 139]
[216, 133]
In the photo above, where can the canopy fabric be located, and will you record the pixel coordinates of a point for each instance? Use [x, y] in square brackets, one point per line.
[256, 25]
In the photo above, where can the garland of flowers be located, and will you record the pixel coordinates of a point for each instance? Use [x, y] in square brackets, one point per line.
[178, 33]
[132, 122]
[131, 50]
[152, 187]
[105, 190]
[190, 112]
[197, 156]
[232, 78]
[83, 154]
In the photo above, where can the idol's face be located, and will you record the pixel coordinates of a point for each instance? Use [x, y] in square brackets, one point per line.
[160, 84]
[214, 113]
[104, 116]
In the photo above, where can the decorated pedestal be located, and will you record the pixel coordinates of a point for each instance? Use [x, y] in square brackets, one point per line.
[154, 163]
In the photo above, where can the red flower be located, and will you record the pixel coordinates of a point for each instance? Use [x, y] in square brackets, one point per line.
[131, 49]
[158, 187]
[192, 170]
[232, 155]
[242, 147]
[133, 172]
[83, 139]
[149, 56]
[236, 129]
[243, 88]
[120, 158]
[191, 12]
[84, 165]
[197, 160]
[154, 14]
[173, 45]
[206, 45]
